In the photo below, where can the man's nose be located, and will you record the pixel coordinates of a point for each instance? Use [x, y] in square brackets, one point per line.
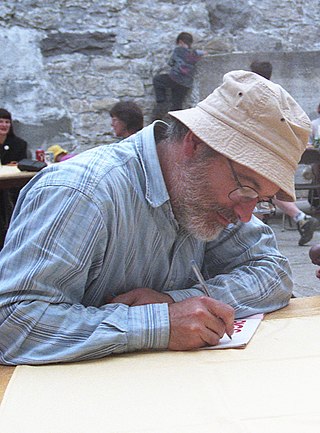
[244, 210]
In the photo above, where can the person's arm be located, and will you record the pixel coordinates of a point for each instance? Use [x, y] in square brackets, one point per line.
[194, 322]
[245, 269]
[201, 53]
[311, 137]
[194, 56]
[173, 58]
[53, 255]
[313, 140]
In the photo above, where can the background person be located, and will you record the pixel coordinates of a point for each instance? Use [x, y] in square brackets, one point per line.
[12, 150]
[305, 223]
[314, 141]
[127, 118]
[314, 254]
[60, 154]
[110, 270]
[314, 138]
[180, 78]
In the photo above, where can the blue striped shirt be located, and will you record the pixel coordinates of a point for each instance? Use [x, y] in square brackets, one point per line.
[99, 225]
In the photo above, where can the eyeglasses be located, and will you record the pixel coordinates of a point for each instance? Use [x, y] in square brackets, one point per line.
[244, 193]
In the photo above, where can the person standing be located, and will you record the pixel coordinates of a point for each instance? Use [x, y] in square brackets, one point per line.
[314, 142]
[306, 224]
[314, 138]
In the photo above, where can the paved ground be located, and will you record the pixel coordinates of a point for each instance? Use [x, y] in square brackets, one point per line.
[305, 281]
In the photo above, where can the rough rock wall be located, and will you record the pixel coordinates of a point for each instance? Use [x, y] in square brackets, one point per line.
[64, 63]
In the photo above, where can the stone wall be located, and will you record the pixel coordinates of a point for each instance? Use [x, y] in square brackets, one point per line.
[64, 63]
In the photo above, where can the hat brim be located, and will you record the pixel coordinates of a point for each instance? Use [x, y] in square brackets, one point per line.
[240, 148]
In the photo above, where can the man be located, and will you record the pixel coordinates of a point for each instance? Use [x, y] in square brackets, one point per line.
[306, 224]
[98, 256]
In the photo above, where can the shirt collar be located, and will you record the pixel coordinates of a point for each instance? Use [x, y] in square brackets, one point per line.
[156, 190]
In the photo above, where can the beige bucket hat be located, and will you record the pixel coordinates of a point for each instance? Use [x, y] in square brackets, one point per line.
[254, 122]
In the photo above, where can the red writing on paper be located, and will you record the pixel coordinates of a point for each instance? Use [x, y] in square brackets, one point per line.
[238, 325]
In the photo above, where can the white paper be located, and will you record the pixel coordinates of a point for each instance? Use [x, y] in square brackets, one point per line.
[243, 332]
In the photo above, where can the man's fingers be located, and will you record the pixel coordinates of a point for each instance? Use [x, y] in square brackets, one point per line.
[197, 322]
[224, 312]
[209, 337]
[216, 325]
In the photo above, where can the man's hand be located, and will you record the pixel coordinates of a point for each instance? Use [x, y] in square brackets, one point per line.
[198, 322]
[142, 296]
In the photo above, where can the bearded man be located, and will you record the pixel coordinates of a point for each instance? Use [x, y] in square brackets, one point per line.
[98, 256]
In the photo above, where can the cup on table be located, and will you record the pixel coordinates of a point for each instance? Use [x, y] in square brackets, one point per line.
[48, 157]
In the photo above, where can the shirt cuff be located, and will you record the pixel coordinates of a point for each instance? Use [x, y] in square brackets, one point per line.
[149, 327]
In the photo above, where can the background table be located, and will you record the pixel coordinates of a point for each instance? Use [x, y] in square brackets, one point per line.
[12, 177]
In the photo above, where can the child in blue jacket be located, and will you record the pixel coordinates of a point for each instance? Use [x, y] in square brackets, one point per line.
[180, 77]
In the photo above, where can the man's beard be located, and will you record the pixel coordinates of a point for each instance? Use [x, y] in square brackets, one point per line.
[193, 206]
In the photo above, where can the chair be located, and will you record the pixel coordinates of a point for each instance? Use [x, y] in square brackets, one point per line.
[309, 157]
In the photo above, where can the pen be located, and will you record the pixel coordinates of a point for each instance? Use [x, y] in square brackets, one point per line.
[202, 282]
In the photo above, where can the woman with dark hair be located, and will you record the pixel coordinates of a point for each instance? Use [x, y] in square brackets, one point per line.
[127, 118]
[12, 148]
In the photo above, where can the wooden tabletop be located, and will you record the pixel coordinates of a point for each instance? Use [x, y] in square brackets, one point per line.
[5, 375]
[298, 307]
[11, 176]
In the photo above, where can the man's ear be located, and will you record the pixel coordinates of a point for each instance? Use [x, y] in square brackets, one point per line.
[191, 143]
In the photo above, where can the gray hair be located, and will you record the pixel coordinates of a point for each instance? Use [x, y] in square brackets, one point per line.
[176, 131]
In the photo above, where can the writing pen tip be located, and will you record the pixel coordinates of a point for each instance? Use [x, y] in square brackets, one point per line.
[229, 336]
